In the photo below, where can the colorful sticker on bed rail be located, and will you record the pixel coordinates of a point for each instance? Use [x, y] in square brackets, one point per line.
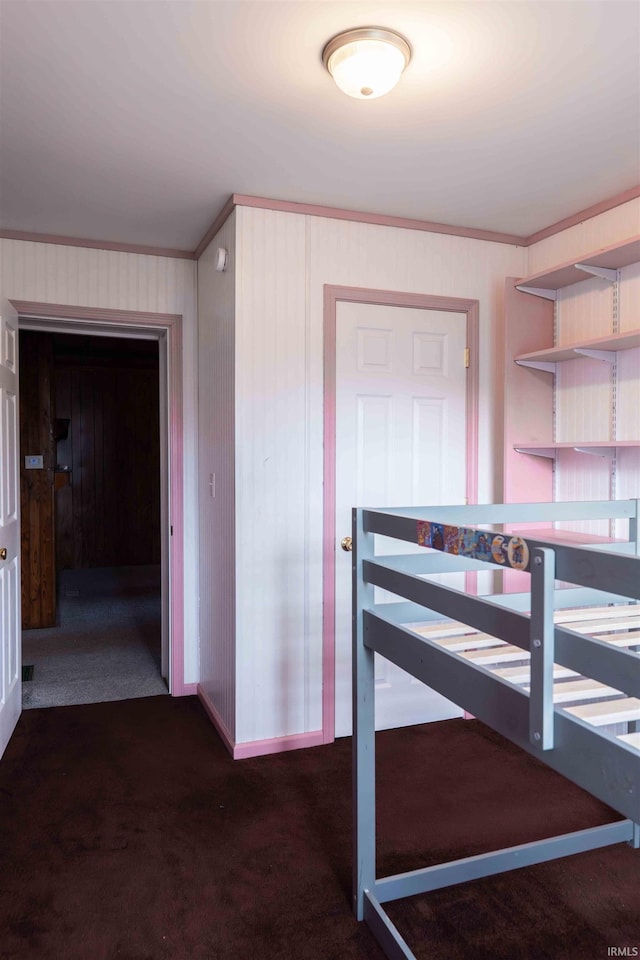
[518, 553]
[452, 539]
[424, 533]
[474, 544]
[499, 550]
[437, 536]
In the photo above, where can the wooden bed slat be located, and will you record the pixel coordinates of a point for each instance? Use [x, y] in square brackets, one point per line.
[596, 613]
[611, 711]
[584, 689]
[522, 675]
[594, 627]
[501, 654]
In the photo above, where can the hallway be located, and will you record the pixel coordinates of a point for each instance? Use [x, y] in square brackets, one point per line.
[107, 643]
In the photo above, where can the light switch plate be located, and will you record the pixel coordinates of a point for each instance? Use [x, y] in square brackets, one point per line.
[34, 462]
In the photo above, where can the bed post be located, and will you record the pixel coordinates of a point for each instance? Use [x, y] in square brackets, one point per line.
[542, 648]
[363, 771]
[634, 527]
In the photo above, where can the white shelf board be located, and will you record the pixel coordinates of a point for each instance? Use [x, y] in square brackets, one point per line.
[577, 351]
[611, 258]
[598, 448]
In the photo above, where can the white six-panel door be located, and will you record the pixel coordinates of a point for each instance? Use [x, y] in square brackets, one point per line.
[400, 441]
[10, 668]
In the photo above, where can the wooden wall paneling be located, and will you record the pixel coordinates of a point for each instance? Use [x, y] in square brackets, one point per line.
[63, 487]
[36, 486]
[111, 486]
[100, 518]
[87, 453]
[114, 451]
[76, 407]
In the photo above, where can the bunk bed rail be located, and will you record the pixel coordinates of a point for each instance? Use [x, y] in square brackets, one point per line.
[457, 644]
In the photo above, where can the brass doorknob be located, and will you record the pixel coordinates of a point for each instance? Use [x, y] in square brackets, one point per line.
[347, 544]
[3, 553]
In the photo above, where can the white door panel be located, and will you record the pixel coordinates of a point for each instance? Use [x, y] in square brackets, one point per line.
[400, 441]
[10, 666]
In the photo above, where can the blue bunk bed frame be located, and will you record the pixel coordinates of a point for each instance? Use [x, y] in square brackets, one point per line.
[594, 759]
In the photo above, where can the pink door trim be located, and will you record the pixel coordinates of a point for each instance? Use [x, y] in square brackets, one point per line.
[171, 325]
[332, 295]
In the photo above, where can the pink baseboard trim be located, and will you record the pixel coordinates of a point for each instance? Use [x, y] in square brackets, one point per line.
[97, 244]
[586, 214]
[256, 748]
[262, 748]
[215, 718]
[189, 690]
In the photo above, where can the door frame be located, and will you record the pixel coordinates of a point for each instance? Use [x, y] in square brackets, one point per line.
[332, 296]
[166, 328]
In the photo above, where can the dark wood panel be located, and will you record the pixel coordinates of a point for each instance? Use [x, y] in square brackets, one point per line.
[113, 449]
[36, 486]
[64, 478]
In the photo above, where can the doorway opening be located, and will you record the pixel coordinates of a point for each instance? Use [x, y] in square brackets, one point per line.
[92, 610]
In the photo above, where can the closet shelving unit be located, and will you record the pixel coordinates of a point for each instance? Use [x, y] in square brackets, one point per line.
[533, 362]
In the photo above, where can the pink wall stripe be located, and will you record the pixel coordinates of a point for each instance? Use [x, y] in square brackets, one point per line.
[329, 517]
[332, 295]
[171, 325]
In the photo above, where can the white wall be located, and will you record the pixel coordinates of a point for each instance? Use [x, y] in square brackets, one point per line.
[216, 487]
[80, 276]
[283, 262]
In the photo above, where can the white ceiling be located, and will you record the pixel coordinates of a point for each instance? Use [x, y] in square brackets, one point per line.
[134, 121]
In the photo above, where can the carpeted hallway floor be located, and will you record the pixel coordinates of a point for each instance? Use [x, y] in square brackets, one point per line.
[107, 642]
[128, 833]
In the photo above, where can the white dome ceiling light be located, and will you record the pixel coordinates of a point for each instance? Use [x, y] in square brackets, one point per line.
[368, 62]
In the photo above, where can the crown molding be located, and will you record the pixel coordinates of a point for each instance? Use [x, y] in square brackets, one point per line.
[602, 207]
[97, 244]
[332, 213]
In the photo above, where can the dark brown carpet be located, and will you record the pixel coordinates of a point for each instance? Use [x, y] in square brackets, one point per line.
[127, 832]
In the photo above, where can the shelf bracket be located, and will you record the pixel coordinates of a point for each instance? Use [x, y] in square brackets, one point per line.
[548, 452]
[597, 451]
[545, 365]
[538, 292]
[605, 273]
[608, 356]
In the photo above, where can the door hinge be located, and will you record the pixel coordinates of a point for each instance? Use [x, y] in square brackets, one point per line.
[467, 356]
[171, 529]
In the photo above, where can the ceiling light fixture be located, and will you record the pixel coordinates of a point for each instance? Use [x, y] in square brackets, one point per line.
[366, 63]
